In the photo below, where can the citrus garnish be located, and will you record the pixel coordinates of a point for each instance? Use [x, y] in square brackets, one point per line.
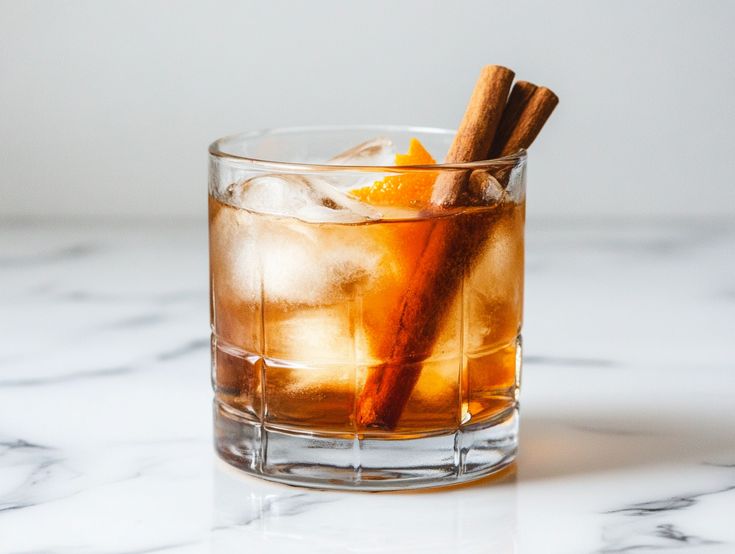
[404, 190]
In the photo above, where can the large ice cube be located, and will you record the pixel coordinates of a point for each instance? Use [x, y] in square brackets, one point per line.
[309, 198]
[290, 261]
[377, 151]
[316, 198]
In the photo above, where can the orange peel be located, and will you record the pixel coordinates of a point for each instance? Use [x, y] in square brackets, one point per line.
[404, 190]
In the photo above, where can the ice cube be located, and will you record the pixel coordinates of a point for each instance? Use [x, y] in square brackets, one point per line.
[290, 261]
[485, 189]
[374, 152]
[317, 198]
[311, 199]
[377, 151]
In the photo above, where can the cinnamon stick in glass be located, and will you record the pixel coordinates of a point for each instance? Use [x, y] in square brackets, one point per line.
[476, 132]
[412, 327]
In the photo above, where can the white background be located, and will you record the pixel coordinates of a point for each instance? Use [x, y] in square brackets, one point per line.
[106, 108]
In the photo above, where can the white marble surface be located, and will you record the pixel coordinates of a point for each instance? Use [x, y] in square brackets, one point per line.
[628, 418]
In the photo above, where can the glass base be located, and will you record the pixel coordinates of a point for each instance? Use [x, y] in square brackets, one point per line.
[324, 461]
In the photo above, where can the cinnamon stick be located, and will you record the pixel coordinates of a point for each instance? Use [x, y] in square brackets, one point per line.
[517, 101]
[528, 109]
[476, 131]
[412, 328]
[451, 247]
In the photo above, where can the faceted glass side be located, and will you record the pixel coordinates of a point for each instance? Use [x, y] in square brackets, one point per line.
[299, 315]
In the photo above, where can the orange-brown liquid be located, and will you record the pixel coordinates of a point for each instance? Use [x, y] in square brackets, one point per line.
[301, 315]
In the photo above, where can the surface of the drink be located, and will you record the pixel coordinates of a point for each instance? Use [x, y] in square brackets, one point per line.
[302, 313]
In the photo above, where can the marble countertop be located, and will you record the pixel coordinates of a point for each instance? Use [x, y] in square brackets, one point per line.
[628, 405]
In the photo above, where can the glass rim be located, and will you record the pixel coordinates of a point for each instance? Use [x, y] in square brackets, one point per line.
[217, 150]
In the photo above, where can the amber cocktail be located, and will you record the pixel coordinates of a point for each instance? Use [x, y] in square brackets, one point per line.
[361, 338]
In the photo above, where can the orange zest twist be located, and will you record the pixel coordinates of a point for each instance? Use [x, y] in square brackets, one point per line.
[405, 190]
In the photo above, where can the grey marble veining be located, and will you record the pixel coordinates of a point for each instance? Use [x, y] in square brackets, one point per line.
[627, 432]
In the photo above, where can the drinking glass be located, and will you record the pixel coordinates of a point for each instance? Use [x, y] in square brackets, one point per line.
[356, 344]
